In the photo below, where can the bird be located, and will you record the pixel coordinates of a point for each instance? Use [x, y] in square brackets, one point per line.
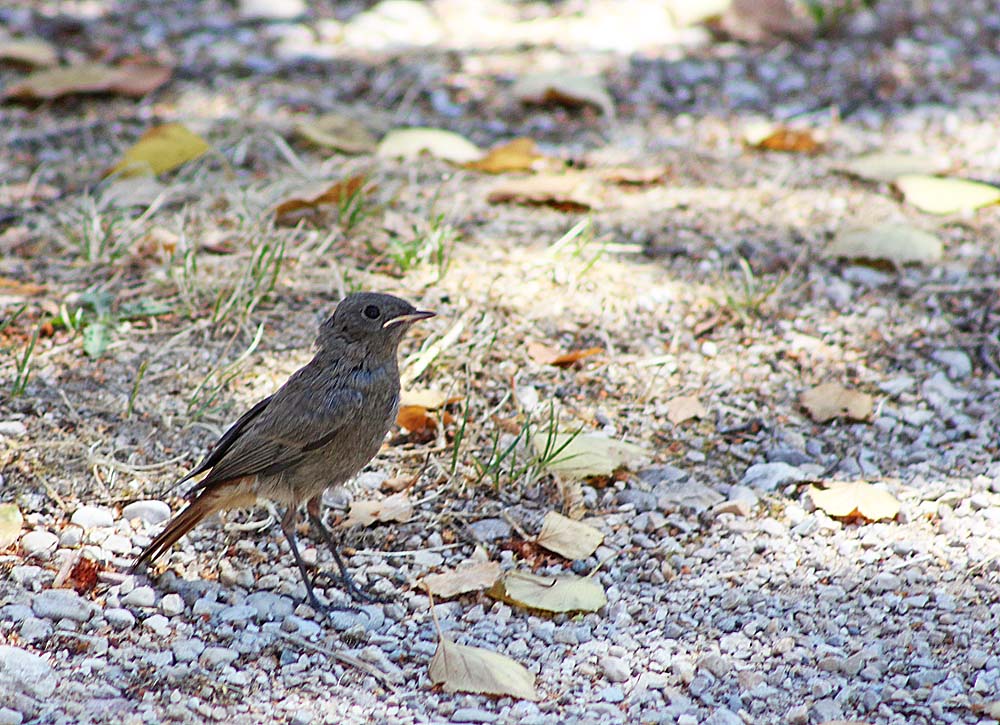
[319, 429]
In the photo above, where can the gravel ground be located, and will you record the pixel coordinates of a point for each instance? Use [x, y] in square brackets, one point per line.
[730, 598]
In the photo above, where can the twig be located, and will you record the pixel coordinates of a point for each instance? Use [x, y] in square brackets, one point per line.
[346, 659]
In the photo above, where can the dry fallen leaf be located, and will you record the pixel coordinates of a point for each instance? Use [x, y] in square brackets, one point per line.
[634, 175]
[464, 578]
[415, 419]
[586, 454]
[770, 137]
[888, 166]
[858, 498]
[128, 80]
[396, 507]
[567, 89]
[338, 132]
[33, 52]
[460, 668]
[684, 407]
[832, 400]
[564, 593]
[568, 538]
[547, 355]
[18, 288]
[307, 201]
[425, 397]
[27, 192]
[570, 192]
[898, 244]
[939, 195]
[989, 709]
[11, 521]
[160, 149]
[521, 154]
[410, 143]
[765, 21]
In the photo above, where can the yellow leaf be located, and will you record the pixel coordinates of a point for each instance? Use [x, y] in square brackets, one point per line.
[460, 668]
[28, 51]
[571, 192]
[585, 454]
[465, 578]
[161, 149]
[567, 89]
[410, 143]
[938, 195]
[129, 80]
[429, 399]
[898, 244]
[887, 166]
[338, 132]
[566, 593]
[832, 400]
[859, 498]
[396, 507]
[683, 408]
[10, 524]
[521, 154]
[567, 537]
[306, 201]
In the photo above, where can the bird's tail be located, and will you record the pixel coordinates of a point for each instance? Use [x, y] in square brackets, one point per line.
[217, 498]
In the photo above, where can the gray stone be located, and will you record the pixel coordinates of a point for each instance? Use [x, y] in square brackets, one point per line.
[239, 613]
[71, 537]
[15, 613]
[213, 657]
[187, 650]
[791, 456]
[613, 693]
[269, 606]
[10, 717]
[22, 671]
[473, 714]
[489, 529]
[686, 496]
[93, 517]
[663, 474]
[615, 669]
[12, 428]
[642, 500]
[56, 604]
[140, 597]
[34, 630]
[157, 624]
[768, 476]
[723, 716]
[119, 618]
[957, 363]
[826, 709]
[171, 605]
[38, 542]
[117, 544]
[150, 510]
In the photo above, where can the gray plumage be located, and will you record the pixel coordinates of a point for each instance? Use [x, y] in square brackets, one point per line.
[318, 430]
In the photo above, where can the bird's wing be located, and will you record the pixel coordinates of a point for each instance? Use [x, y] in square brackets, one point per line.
[280, 434]
[224, 443]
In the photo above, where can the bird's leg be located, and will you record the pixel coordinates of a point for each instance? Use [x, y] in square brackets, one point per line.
[345, 578]
[288, 527]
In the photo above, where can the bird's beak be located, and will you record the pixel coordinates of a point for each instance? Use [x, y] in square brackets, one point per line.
[406, 319]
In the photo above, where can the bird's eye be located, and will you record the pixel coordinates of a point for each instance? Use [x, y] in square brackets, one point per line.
[371, 312]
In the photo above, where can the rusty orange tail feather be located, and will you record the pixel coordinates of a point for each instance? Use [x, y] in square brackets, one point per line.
[213, 500]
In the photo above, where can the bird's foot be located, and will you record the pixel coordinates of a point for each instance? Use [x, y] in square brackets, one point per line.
[347, 584]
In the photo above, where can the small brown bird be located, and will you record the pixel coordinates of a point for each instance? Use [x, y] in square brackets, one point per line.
[318, 430]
